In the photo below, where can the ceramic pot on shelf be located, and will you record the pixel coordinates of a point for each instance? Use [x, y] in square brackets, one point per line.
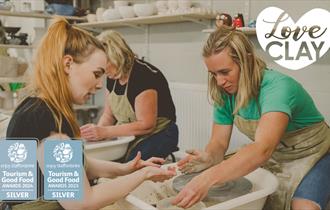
[111, 14]
[91, 18]
[161, 7]
[99, 13]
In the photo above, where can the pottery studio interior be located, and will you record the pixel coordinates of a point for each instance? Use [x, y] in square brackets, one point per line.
[165, 104]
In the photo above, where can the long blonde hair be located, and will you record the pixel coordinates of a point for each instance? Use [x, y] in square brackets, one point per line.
[50, 81]
[243, 54]
[119, 53]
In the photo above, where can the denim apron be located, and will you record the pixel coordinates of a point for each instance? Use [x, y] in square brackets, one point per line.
[294, 156]
[124, 113]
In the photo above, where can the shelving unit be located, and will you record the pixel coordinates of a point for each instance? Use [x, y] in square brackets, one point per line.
[17, 46]
[24, 79]
[38, 15]
[144, 23]
[21, 79]
[150, 20]
[246, 30]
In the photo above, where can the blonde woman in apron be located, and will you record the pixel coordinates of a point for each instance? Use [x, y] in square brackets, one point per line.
[289, 135]
[138, 102]
[71, 58]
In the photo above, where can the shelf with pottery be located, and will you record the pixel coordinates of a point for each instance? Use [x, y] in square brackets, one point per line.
[150, 20]
[246, 30]
[38, 15]
[13, 70]
[21, 79]
[17, 46]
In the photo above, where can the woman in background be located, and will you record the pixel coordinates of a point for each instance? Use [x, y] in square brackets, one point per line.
[290, 137]
[138, 102]
[69, 67]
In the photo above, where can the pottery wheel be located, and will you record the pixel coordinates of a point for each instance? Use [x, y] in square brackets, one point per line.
[218, 192]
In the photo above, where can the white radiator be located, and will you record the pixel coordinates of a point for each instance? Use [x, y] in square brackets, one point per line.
[194, 117]
[194, 114]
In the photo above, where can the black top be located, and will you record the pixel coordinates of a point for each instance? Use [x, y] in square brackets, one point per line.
[145, 76]
[33, 119]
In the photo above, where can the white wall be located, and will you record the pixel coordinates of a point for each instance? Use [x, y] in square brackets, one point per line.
[176, 48]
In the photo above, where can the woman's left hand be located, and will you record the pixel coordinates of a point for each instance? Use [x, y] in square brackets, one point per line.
[137, 163]
[193, 192]
[92, 132]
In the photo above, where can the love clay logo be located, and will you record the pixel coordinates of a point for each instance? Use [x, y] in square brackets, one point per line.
[294, 45]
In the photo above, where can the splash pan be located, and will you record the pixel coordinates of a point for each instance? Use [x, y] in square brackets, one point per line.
[263, 184]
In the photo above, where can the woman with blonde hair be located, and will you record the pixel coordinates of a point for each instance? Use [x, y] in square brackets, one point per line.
[274, 111]
[138, 102]
[69, 67]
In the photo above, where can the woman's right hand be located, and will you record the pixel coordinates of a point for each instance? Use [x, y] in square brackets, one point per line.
[156, 174]
[92, 132]
[195, 161]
